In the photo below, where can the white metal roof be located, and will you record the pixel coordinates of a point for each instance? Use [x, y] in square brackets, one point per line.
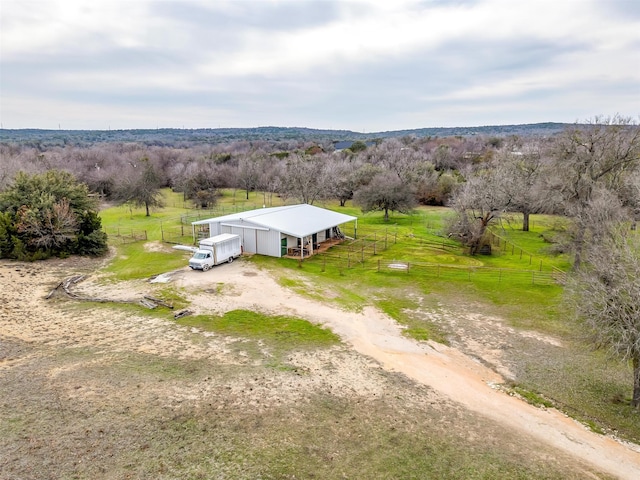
[297, 220]
[219, 238]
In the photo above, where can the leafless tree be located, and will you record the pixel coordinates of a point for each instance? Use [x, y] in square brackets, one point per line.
[521, 176]
[386, 192]
[344, 177]
[141, 186]
[478, 203]
[589, 158]
[248, 173]
[606, 296]
[305, 178]
[271, 174]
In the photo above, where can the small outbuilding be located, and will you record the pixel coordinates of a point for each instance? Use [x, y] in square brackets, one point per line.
[292, 230]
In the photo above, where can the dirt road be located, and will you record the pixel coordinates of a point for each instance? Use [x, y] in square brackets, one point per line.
[242, 286]
[445, 369]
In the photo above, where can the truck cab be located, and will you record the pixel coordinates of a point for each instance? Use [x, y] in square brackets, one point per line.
[202, 260]
[215, 250]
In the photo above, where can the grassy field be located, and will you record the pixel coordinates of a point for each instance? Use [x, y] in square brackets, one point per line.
[583, 383]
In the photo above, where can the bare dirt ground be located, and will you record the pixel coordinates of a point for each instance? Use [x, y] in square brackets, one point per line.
[32, 328]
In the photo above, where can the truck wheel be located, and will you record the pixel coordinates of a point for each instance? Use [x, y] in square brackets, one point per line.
[230, 259]
[205, 267]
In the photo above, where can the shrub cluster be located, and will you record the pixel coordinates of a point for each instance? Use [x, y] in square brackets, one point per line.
[49, 214]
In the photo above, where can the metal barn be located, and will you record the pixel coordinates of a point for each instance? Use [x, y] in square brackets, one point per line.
[292, 230]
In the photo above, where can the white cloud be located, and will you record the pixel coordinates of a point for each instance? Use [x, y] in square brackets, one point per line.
[250, 56]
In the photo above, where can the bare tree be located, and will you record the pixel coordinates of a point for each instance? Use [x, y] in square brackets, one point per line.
[248, 174]
[386, 192]
[477, 204]
[305, 178]
[142, 186]
[606, 297]
[270, 178]
[589, 158]
[344, 177]
[521, 176]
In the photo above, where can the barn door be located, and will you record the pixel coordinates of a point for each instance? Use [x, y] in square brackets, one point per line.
[283, 246]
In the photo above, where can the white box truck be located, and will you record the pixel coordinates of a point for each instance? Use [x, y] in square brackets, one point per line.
[216, 250]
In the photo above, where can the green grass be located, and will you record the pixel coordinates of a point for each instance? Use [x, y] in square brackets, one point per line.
[280, 334]
[532, 397]
[133, 261]
[579, 381]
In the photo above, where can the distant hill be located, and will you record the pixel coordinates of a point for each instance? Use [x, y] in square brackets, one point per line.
[188, 137]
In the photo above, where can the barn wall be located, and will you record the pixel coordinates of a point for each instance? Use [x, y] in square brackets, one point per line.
[268, 243]
[264, 242]
[214, 229]
[247, 235]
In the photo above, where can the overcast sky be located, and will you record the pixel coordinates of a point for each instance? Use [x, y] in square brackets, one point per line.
[364, 65]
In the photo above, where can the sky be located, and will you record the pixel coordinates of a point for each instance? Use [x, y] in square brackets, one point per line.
[361, 65]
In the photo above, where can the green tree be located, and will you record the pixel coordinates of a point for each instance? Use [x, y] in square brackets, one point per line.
[358, 146]
[6, 235]
[48, 214]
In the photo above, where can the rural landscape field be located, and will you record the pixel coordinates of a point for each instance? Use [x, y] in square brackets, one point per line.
[409, 349]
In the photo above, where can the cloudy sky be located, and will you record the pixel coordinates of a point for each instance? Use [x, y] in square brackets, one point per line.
[363, 65]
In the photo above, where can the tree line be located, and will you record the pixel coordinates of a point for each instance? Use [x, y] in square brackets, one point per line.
[588, 173]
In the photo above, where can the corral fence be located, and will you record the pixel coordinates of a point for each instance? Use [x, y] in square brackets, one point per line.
[362, 252]
[181, 234]
[123, 235]
[506, 247]
[534, 277]
[355, 251]
[353, 260]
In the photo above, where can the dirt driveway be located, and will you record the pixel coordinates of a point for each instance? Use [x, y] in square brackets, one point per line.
[464, 380]
[444, 369]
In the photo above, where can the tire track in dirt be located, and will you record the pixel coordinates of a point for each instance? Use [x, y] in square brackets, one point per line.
[25, 315]
[446, 370]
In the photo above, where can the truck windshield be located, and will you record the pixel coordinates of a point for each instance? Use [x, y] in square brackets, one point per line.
[200, 255]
